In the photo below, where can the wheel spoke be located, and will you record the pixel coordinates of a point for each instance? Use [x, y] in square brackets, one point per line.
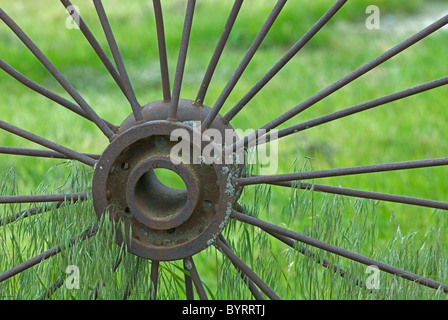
[95, 45]
[240, 265]
[53, 288]
[252, 288]
[162, 50]
[343, 171]
[43, 198]
[47, 93]
[154, 278]
[71, 154]
[188, 282]
[45, 255]
[285, 59]
[343, 82]
[29, 212]
[136, 108]
[307, 252]
[39, 153]
[57, 75]
[182, 60]
[366, 194]
[218, 51]
[338, 251]
[190, 266]
[243, 64]
[356, 109]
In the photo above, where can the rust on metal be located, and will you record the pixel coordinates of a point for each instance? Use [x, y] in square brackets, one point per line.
[164, 223]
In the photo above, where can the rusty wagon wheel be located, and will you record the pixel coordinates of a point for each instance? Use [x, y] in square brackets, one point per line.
[176, 224]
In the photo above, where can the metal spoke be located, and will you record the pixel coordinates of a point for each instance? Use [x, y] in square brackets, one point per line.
[243, 64]
[71, 154]
[285, 59]
[339, 251]
[366, 194]
[343, 82]
[57, 75]
[182, 60]
[218, 51]
[240, 265]
[43, 198]
[316, 258]
[154, 278]
[343, 171]
[45, 255]
[47, 93]
[190, 266]
[94, 44]
[162, 50]
[356, 109]
[252, 288]
[33, 211]
[136, 108]
[307, 252]
[40, 153]
[188, 282]
[53, 288]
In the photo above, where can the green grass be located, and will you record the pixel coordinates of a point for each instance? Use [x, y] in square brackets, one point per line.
[351, 224]
[410, 129]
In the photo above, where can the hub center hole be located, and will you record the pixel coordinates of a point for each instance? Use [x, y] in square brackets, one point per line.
[169, 178]
[160, 193]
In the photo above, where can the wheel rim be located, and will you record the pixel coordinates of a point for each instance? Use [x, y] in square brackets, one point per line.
[130, 144]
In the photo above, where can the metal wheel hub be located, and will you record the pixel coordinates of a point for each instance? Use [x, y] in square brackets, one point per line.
[163, 223]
